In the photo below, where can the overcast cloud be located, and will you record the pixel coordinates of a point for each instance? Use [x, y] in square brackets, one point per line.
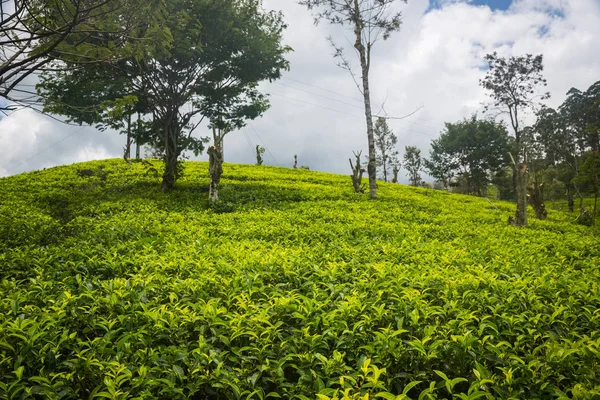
[435, 62]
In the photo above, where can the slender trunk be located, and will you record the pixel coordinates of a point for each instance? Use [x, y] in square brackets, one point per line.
[127, 152]
[171, 154]
[520, 173]
[384, 171]
[570, 201]
[595, 205]
[364, 64]
[137, 140]
[215, 169]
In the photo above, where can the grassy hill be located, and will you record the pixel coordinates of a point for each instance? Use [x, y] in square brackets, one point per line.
[293, 286]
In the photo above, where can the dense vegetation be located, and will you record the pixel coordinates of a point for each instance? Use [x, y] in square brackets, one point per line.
[292, 286]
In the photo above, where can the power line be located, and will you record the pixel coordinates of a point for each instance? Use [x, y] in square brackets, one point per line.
[264, 145]
[341, 94]
[248, 140]
[313, 104]
[321, 88]
[47, 148]
[320, 95]
[342, 112]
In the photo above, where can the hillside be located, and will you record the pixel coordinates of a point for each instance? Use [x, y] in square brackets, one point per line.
[293, 286]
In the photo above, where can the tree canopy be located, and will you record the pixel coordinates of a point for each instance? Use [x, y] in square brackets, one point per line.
[221, 50]
[471, 150]
[34, 33]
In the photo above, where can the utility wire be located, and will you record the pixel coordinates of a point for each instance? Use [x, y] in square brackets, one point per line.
[340, 94]
[47, 148]
[320, 95]
[321, 88]
[248, 140]
[313, 104]
[351, 115]
[264, 145]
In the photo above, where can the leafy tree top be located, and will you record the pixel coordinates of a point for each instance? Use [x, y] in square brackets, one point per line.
[513, 84]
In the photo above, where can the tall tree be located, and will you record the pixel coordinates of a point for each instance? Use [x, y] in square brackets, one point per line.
[221, 50]
[580, 114]
[35, 32]
[385, 147]
[413, 164]
[472, 149]
[370, 21]
[513, 86]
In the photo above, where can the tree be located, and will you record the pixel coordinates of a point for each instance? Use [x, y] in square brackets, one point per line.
[221, 50]
[439, 164]
[385, 147]
[33, 33]
[412, 164]
[567, 137]
[395, 170]
[471, 149]
[357, 173]
[370, 21]
[513, 86]
[259, 154]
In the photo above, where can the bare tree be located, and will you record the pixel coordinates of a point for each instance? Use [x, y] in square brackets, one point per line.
[357, 173]
[259, 154]
[513, 84]
[370, 21]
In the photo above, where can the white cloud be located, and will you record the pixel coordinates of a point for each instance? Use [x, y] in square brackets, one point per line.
[435, 61]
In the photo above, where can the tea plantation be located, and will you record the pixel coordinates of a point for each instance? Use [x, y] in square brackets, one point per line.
[293, 287]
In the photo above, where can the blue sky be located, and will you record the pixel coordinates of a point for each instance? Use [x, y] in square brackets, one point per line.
[493, 4]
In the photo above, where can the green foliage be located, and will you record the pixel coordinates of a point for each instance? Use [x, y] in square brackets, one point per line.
[34, 33]
[413, 164]
[471, 150]
[219, 53]
[291, 287]
[385, 146]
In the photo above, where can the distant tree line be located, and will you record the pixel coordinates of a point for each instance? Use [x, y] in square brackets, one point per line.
[555, 158]
[559, 153]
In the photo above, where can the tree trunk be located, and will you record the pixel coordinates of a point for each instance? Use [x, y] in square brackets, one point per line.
[395, 179]
[384, 169]
[521, 175]
[536, 198]
[215, 169]
[127, 150]
[364, 65]
[570, 201]
[595, 205]
[171, 156]
[357, 174]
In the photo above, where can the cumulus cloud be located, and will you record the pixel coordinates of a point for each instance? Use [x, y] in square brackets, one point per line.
[435, 61]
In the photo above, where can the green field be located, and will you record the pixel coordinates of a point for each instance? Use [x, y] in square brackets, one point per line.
[292, 287]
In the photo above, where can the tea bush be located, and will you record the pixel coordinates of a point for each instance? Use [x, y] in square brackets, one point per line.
[292, 287]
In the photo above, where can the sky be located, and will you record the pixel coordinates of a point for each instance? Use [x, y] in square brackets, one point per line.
[432, 65]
